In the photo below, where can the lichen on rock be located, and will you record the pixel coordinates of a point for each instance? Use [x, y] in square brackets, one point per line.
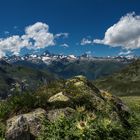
[58, 97]
[25, 126]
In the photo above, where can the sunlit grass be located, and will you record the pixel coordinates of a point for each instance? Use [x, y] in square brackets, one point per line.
[134, 104]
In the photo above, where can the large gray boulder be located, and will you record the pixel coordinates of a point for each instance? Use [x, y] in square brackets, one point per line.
[25, 126]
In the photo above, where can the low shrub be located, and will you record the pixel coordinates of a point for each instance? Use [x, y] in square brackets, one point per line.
[84, 126]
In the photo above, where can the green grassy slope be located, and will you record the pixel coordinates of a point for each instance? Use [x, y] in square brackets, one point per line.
[90, 69]
[134, 104]
[126, 82]
[22, 76]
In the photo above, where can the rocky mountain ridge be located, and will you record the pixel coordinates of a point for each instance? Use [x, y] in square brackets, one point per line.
[71, 65]
[48, 58]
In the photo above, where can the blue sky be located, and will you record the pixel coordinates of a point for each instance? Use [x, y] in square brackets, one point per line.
[83, 20]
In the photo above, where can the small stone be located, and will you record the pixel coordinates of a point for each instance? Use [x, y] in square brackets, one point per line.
[58, 97]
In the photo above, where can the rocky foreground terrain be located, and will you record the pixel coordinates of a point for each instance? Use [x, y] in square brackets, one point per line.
[70, 109]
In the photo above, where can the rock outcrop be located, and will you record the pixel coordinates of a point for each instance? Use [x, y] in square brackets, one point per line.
[70, 97]
[59, 97]
[25, 126]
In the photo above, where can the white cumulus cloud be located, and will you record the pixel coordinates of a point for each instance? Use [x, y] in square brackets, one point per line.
[125, 33]
[12, 44]
[40, 34]
[36, 36]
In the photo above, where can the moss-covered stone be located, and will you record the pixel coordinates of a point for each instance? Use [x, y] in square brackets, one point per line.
[25, 126]
[106, 95]
[79, 84]
[77, 79]
[81, 78]
[59, 97]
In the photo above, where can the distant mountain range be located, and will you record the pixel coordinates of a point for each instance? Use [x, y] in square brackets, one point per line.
[125, 82]
[30, 71]
[68, 66]
[48, 58]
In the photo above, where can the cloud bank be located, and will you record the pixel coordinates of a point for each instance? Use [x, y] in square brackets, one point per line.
[125, 33]
[36, 36]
